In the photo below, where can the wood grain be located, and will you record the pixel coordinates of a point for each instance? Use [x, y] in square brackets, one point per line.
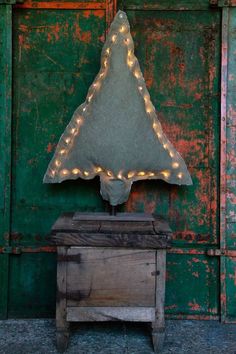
[111, 277]
[138, 314]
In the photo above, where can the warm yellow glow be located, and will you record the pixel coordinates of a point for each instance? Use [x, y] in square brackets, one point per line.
[109, 173]
[122, 29]
[86, 173]
[84, 109]
[137, 74]
[146, 98]
[175, 164]
[57, 163]
[108, 50]
[79, 121]
[90, 97]
[165, 146]
[73, 130]
[102, 74]
[159, 135]
[130, 63]
[113, 38]
[105, 63]
[75, 171]
[140, 88]
[151, 174]
[180, 175]
[98, 169]
[62, 152]
[149, 109]
[65, 172]
[52, 173]
[166, 174]
[142, 173]
[131, 174]
[171, 154]
[67, 140]
[119, 175]
[127, 41]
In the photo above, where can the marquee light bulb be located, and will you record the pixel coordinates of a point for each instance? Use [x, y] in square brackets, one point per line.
[98, 169]
[171, 154]
[108, 50]
[84, 109]
[86, 173]
[113, 38]
[67, 140]
[151, 174]
[140, 88]
[127, 41]
[65, 172]
[131, 174]
[109, 173]
[142, 173]
[62, 152]
[57, 163]
[180, 175]
[166, 174]
[119, 175]
[75, 171]
[175, 164]
[122, 29]
[137, 74]
[73, 130]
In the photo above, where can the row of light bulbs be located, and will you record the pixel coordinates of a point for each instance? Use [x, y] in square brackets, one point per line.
[131, 61]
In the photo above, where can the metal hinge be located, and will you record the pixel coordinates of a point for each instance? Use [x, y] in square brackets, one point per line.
[11, 250]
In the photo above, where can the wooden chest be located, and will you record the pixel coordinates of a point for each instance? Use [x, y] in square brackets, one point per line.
[110, 271]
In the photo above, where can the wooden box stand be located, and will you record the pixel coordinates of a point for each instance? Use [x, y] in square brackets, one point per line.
[110, 271]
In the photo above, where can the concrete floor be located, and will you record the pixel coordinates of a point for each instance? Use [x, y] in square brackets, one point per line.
[182, 337]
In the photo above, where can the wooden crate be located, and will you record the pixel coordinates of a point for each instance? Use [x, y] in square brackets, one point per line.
[110, 283]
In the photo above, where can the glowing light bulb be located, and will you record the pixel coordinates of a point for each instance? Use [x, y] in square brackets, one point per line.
[62, 152]
[148, 109]
[75, 171]
[175, 164]
[102, 74]
[79, 121]
[57, 163]
[105, 63]
[142, 173]
[171, 154]
[121, 15]
[108, 50]
[119, 175]
[137, 74]
[89, 98]
[122, 29]
[159, 135]
[86, 173]
[180, 175]
[130, 63]
[166, 174]
[165, 146]
[131, 174]
[64, 172]
[109, 173]
[140, 88]
[52, 173]
[98, 169]
[151, 174]
[127, 40]
[84, 109]
[113, 38]
[67, 140]
[73, 130]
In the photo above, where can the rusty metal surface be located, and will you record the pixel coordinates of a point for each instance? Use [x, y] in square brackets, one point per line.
[56, 56]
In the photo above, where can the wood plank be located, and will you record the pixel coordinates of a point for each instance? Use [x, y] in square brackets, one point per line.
[111, 240]
[111, 277]
[138, 314]
[118, 217]
[61, 323]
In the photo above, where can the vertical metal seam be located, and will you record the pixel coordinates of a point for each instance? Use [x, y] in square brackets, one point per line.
[223, 154]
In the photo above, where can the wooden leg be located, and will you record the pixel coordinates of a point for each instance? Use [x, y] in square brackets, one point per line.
[158, 337]
[62, 337]
[62, 334]
[158, 326]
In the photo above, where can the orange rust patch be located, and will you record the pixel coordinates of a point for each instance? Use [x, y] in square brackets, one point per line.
[195, 274]
[82, 36]
[50, 147]
[22, 42]
[194, 306]
[99, 13]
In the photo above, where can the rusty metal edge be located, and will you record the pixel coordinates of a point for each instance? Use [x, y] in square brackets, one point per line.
[28, 4]
[111, 8]
[223, 155]
[192, 317]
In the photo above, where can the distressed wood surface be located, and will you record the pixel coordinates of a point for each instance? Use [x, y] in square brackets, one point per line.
[148, 234]
[111, 277]
[62, 325]
[134, 314]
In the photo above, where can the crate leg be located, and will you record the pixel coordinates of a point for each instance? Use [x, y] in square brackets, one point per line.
[158, 326]
[63, 327]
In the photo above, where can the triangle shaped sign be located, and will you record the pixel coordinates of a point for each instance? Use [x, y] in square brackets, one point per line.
[115, 133]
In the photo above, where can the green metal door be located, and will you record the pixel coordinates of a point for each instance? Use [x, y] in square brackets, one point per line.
[56, 48]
